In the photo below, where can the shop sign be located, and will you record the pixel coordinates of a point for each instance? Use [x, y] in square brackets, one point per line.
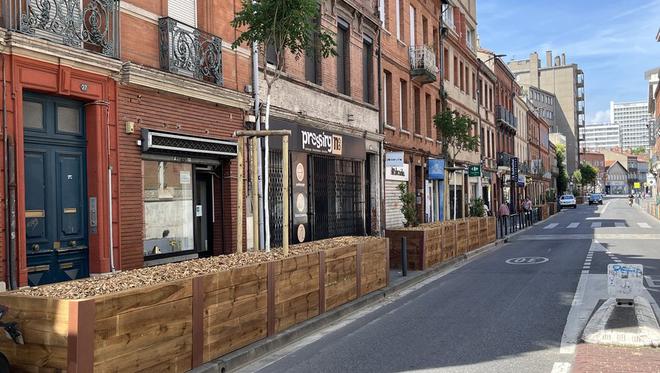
[637, 185]
[436, 169]
[514, 168]
[397, 173]
[474, 171]
[321, 142]
[394, 159]
[521, 180]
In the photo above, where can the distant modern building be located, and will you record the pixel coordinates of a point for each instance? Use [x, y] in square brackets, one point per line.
[566, 83]
[596, 160]
[602, 136]
[543, 104]
[633, 119]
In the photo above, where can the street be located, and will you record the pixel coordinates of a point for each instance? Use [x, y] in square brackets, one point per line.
[490, 315]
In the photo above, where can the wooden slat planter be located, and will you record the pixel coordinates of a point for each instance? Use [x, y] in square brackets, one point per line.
[473, 233]
[178, 325]
[492, 229]
[483, 232]
[461, 237]
[448, 241]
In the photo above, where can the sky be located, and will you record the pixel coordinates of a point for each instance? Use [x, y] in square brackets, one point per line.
[613, 42]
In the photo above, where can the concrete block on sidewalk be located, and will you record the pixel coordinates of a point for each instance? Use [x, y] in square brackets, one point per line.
[626, 327]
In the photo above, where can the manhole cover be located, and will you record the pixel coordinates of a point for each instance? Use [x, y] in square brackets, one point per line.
[527, 260]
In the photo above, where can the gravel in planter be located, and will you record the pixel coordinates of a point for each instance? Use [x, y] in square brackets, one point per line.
[114, 282]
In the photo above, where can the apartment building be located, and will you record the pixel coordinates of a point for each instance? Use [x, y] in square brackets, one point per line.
[633, 119]
[539, 156]
[543, 104]
[602, 136]
[566, 83]
[597, 160]
[410, 41]
[504, 93]
[331, 107]
[521, 146]
[486, 81]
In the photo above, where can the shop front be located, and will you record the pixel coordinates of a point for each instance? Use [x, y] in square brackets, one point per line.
[435, 189]
[330, 195]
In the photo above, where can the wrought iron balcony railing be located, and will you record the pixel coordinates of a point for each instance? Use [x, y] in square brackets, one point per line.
[89, 24]
[188, 51]
[422, 64]
[505, 116]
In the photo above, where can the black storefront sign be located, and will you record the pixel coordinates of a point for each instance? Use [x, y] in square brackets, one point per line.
[314, 140]
[514, 169]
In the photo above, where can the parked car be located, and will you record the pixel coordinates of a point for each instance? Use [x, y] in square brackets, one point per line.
[596, 198]
[567, 200]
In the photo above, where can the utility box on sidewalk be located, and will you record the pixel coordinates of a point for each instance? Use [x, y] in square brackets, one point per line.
[625, 281]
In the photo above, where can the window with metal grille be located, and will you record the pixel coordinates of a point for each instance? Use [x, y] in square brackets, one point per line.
[275, 207]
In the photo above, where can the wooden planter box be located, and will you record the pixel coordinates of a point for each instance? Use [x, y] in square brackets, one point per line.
[179, 325]
[433, 243]
[545, 211]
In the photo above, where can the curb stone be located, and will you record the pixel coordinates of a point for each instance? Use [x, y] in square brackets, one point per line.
[256, 350]
[648, 335]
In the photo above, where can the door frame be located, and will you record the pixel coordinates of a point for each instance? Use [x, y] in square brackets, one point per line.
[100, 96]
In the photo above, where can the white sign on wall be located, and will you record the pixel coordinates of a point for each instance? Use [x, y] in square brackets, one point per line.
[394, 159]
[625, 281]
[397, 173]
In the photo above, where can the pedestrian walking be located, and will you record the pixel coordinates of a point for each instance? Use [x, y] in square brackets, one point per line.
[504, 209]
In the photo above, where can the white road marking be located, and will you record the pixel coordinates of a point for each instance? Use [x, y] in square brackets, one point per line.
[561, 367]
[619, 224]
[596, 224]
[604, 208]
[551, 225]
[597, 235]
[644, 225]
[585, 271]
[573, 225]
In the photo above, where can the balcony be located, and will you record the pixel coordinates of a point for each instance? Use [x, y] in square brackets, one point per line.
[91, 25]
[185, 50]
[503, 115]
[422, 65]
[580, 108]
[504, 159]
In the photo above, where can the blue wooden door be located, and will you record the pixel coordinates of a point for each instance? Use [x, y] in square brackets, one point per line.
[55, 189]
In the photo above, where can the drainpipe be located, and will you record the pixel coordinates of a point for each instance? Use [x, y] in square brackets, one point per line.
[10, 192]
[111, 243]
[381, 130]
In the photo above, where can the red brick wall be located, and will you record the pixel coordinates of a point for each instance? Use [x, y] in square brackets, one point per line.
[178, 115]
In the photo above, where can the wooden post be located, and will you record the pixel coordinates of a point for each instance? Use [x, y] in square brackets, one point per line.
[285, 192]
[255, 196]
[241, 201]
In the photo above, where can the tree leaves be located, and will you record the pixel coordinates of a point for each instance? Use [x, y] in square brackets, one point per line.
[455, 130]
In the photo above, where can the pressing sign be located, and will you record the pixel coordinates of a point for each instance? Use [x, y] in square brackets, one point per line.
[625, 280]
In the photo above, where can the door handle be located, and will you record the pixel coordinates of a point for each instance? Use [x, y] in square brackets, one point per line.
[35, 247]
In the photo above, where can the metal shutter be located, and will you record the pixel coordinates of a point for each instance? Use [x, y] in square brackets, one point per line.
[393, 215]
[183, 11]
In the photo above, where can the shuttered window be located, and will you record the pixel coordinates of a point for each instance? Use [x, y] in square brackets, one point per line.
[183, 11]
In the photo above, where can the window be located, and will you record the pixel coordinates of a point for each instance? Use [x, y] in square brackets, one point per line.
[184, 11]
[455, 71]
[343, 65]
[403, 105]
[387, 98]
[448, 15]
[482, 142]
[474, 87]
[417, 109]
[437, 111]
[168, 207]
[367, 70]
[445, 61]
[381, 12]
[462, 76]
[412, 26]
[425, 31]
[436, 49]
[470, 39]
[429, 116]
[271, 55]
[467, 79]
[399, 19]
[312, 60]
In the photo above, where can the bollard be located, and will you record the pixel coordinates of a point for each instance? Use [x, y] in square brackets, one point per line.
[404, 256]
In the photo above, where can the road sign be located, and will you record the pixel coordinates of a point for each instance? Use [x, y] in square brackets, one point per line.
[625, 281]
[394, 159]
[474, 170]
[523, 260]
[514, 169]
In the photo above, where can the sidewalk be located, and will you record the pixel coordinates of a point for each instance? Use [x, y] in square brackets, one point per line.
[591, 358]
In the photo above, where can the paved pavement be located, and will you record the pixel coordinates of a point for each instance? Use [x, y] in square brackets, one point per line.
[520, 308]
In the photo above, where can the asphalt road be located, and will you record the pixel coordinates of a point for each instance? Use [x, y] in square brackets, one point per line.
[489, 315]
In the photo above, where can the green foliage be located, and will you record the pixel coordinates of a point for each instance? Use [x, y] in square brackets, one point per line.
[283, 24]
[588, 173]
[577, 177]
[455, 128]
[562, 178]
[477, 207]
[408, 207]
[638, 150]
[550, 195]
